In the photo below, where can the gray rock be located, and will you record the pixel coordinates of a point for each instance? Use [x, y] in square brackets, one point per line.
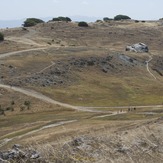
[35, 155]
[16, 146]
[139, 48]
[3, 161]
[104, 69]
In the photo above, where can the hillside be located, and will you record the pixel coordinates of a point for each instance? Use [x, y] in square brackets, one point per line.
[60, 83]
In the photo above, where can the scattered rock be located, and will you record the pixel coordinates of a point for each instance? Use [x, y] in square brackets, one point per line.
[139, 48]
[62, 73]
[17, 154]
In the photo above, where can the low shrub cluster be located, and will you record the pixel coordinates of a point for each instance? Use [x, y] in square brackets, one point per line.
[83, 24]
[61, 18]
[32, 22]
[1, 36]
[121, 17]
[107, 19]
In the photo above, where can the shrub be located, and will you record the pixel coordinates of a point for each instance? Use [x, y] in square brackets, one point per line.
[32, 22]
[55, 19]
[121, 17]
[82, 24]
[136, 21]
[1, 36]
[106, 19]
[61, 18]
[27, 104]
[98, 21]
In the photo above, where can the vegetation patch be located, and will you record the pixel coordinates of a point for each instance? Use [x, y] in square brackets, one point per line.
[122, 17]
[1, 36]
[83, 24]
[32, 22]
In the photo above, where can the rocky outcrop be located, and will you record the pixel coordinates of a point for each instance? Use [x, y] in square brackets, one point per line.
[139, 48]
[17, 154]
[63, 71]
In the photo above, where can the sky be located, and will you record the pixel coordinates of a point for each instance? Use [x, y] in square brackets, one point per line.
[136, 9]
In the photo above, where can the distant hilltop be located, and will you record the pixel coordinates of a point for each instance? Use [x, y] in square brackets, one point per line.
[18, 23]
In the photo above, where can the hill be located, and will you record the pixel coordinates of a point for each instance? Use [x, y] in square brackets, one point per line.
[70, 85]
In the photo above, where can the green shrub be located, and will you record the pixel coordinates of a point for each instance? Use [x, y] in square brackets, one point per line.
[55, 19]
[82, 24]
[32, 22]
[121, 17]
[1, 36]
[61, 18]
[106, 19]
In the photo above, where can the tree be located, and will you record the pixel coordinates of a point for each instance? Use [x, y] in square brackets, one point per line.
[106, 19]
[61, 18]
[1, 36]
[32, 22]
[121, 17]
[82, 24]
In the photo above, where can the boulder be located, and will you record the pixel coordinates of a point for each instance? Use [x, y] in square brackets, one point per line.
[139, 48]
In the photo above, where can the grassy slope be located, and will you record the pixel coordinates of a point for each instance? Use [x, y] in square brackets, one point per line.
[112, 90]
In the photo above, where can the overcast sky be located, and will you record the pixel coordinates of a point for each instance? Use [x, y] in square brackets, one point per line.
[136, 9]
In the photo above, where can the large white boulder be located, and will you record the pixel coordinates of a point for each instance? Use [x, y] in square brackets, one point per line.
[139, 48]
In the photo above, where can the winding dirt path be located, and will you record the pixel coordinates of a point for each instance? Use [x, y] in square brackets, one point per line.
[147, 65]
[42, 97]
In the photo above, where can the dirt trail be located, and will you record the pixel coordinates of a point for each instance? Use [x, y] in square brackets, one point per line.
[23, 40]
[42, 97]
[53, 63]
[20, 52]
[5, 141]
[26, 38]
[109, 115]
[45, 98]
[122, 107]
[147, 65]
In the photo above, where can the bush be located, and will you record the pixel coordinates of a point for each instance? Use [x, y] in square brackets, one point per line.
[55, 19]
[121, 17]
[82, 24]
[1, 36]
[32, 22]
[98, 21]
[61, 18]
[106, 19]
[136, 21]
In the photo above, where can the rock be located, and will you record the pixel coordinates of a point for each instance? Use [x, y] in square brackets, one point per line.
[16, 146]
[139, 48]
[3, 161]
[35, 155]
[77, 142]
[104, 69]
